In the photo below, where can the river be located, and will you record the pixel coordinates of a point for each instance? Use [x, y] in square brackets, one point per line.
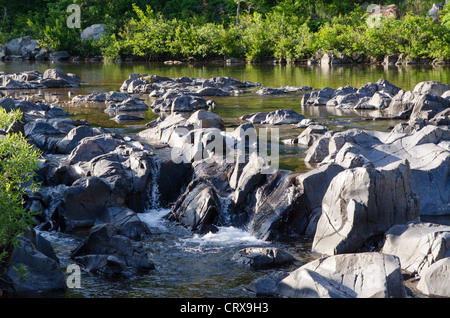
[189, 265]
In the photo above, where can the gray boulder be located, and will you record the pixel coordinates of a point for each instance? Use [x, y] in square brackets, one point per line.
[317, 98]
[431, 87]
[418, 244]
[22, 46]
[94, 31]
[434, 280]
[361, 275]
[361, 204]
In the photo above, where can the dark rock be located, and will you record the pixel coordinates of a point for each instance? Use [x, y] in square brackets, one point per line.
[263, 257]
[107, 253]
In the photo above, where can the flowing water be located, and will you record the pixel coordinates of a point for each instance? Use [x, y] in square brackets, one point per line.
[189, 265]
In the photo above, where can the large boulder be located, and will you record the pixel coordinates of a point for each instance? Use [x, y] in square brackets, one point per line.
[418, 244]
[431, 87]
[361, 275]
[22, 46]
[94, 31]
[426, 151]
[198, 208]
[81, 204]
[42, 269]
[361, 204]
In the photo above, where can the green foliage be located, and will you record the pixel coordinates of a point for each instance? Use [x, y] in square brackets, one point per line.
[18, 162]
[288, 30]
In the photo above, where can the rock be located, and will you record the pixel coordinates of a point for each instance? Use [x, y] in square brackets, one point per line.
[388, 11]
[107, 253]
[435, 279]
[434, 12]
[198, 208]
[173, 179]
[361, 204]
[59, 56]
[81, 204]
[43, 272]
[205, 119]
[390, 59]
[314, 185]
[279, 209]
[174, 101]
[73, 138]
[317, 98]
[332, 59]
[252, 175]
[126, 118]
[263, 257]
[22, 46]
[361, 275]
[277, 117]
[56, 78]
[431, 87]
[311, 134]
[379, 100]
[94, 31]
[418, 244]
[91, 147]
[266, 285]
[427, 106]
[402, 104]
[269, 91]
[355, 148]
[126, 221]
[129, 105]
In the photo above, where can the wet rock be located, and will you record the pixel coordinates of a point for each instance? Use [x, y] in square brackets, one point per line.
[198, 208]
[361, 275]
[269, 91]
[59, 56]
[81, 204]
[106, 252]
[418, 244]
[279, 210]
[126, 118]
[263, 257]
[126, 221]
[361, 204]
[180, 102]
[43, 272]
[57, 78]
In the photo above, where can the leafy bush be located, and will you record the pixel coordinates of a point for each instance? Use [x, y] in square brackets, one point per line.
[17, 169]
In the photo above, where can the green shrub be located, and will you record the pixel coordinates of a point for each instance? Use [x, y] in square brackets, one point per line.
[18, 162]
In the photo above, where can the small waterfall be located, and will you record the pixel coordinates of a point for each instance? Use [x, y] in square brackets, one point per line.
[225, 218]
[153, 188]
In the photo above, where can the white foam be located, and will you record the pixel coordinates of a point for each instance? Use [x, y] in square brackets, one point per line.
[155, 218]
[226, 236]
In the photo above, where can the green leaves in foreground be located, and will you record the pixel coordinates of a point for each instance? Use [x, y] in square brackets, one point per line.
[18, 162]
